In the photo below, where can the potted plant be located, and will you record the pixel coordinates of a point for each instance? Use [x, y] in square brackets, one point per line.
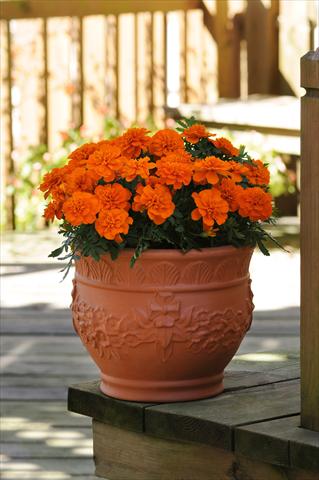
[161, 230]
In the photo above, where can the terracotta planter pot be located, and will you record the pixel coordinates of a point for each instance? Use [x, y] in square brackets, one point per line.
[166, 329]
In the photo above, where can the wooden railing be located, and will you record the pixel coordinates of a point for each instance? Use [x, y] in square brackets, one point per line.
[73, 63]
[310, 242]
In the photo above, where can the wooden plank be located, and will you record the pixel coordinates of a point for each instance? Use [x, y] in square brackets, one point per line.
[309, 227]
[35, 433]
[9, 166]
[45, 365]
[18, 414]
[57, 448]
[44, 99]
[228, 45]
[111, 65]
[125, 71]
[280, 442]
[125, 455]
[212, 421]
[60, 82]
[87, 399]
[59, 8]
[261, 31]
[47, 469]
[131, 456]
[43, 345]
[94, 74]
[78, 82]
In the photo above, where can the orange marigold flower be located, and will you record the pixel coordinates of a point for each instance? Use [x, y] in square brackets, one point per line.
[195, 133]
[106, 161]
[258, 174]
[255, 204]
[225, 146]
[133, 142]
[211, 207]
[52, 210]
[176, 173]
[113, 196]
[237, 171]
[165, 141]
[81, 179]
[230, 192]
[156, 200]
[133, 168]
[82, 207]
[209, 170]
[52, 181]
[80, 156]
[112, 222]
[180, 156]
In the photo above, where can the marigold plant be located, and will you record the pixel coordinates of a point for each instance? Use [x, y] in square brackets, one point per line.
[179, 189]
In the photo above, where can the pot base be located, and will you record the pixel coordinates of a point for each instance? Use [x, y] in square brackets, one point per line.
[162, 391]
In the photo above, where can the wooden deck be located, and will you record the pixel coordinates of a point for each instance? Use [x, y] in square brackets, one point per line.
[251, 431]
[41, 357]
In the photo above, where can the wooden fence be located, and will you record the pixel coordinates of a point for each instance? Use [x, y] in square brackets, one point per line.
[67, 64]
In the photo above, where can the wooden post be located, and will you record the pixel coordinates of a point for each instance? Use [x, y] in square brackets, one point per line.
[310, 241]
[228, 45]
[261, 31]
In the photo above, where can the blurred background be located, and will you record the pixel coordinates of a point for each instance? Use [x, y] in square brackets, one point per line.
[83, 70]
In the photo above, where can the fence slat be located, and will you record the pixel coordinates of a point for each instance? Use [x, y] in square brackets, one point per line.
[111, 71]
[8, 158]
[228, 44]
[262, 43]
[44, 99]
[310, 241]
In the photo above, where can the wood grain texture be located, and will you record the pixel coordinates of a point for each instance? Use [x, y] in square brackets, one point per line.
[87, 399]
[309, 227]
[58, 8]
[212, 421]
[280, 442]
[228, 45]
[124, 455]
[262, 43]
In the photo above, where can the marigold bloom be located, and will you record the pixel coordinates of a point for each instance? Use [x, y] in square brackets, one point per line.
[80, 155]
[176, 173]
[113, 196]
[106, 161]
[237, 171]
[225, 146]
[195, 133]
[255, 204]
[82, 207]
[209, 170]
[134, 142]
[52, 181]
[211, 207]
[133, 168]
[156, 200]
[112, 222]
[230, 192]
[258, 174]
[179, 156]
[80, 179]
[52, 210]
[165, 141]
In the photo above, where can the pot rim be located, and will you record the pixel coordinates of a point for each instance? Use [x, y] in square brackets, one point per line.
[163, 253]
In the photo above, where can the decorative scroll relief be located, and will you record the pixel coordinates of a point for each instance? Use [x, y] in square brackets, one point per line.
[162, 323]
[162, 273]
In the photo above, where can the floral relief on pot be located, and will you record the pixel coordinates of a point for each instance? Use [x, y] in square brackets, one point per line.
[162, 323]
